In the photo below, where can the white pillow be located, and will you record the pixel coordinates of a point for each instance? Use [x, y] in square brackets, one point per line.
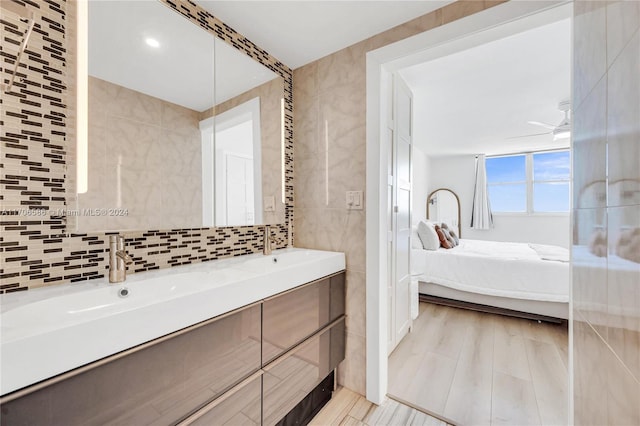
[416, 243]
[428, 236]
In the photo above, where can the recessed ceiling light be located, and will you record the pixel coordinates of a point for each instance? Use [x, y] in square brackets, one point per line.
[152, 42]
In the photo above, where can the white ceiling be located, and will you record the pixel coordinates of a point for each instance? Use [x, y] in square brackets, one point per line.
[473, 101]
[181, 70]
[464, 103]
[301, 31]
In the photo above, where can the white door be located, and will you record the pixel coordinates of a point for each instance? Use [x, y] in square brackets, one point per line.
[400, 317]
[239, 190]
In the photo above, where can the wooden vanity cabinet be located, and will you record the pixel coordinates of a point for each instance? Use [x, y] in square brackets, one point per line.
[157, 383]
[250, 366]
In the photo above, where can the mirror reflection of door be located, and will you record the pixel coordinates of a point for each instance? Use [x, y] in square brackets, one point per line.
[232, 166]
[237, 202]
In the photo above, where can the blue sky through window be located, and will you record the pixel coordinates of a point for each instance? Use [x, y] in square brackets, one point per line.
[551, 197]
[506, 169]
[551, 166]
[508, 198]
[549, 178]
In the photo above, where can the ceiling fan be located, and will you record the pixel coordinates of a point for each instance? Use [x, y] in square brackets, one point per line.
[560, 131]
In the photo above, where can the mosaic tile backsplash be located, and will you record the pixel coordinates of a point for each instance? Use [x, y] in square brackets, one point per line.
[36, 150]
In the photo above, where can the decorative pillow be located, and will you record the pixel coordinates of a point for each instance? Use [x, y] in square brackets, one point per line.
[448, 236]
[456, 240]
[428, 236]
[416, 243]
[454, 236]
[443, 239]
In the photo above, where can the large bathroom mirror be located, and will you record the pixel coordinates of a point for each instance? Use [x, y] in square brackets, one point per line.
[184, 130]
[443, 206]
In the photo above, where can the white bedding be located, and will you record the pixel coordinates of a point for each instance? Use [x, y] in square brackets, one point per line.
[493, 268]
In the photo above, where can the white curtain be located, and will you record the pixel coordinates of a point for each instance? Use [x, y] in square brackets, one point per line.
[481, 217]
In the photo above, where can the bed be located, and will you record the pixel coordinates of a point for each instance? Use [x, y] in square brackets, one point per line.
[519, 279]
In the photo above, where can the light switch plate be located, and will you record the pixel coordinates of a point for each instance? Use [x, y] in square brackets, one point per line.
[354, 200]
[270, 204]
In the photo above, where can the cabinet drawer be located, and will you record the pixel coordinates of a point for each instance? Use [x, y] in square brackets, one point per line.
[158, 383]
[291, 317]
[240, 406]
[288, 379]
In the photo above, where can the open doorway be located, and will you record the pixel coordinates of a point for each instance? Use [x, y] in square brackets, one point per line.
[450, 166]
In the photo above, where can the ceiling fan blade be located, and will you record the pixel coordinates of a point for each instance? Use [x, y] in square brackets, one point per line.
[545, 125]
[529, 136]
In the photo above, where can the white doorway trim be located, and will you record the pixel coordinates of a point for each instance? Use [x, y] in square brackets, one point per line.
[485, 26]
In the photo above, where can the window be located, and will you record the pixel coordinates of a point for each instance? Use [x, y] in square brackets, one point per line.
[507, 183]
[529, 183]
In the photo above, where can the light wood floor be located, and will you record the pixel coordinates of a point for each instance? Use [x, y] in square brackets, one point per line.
[349, 408]
[482, 369]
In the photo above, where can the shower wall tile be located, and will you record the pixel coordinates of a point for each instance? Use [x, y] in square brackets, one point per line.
[589, 266]
[623, 20]
[590, 150]
[622, 393]
[37, 150]
[590, 375]
[623, 126]
[330, 148]
[590, 49]
[623, 277]
[605, 252]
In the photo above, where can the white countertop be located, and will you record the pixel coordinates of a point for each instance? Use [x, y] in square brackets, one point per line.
[48, 331]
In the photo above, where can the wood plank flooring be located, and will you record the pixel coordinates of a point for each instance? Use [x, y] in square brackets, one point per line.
[482, 369]
[347, 408]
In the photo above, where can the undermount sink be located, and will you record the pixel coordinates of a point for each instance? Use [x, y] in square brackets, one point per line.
[75, 324]
[280, 260]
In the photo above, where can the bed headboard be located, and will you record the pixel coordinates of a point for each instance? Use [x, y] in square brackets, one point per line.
[443, 205]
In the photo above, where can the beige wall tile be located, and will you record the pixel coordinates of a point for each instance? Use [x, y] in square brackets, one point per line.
[352, 371]
[356, 310]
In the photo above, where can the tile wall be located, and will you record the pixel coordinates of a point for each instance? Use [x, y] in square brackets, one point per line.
[144, 155]
[606, 238]
[330, 121]
[37, 147]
